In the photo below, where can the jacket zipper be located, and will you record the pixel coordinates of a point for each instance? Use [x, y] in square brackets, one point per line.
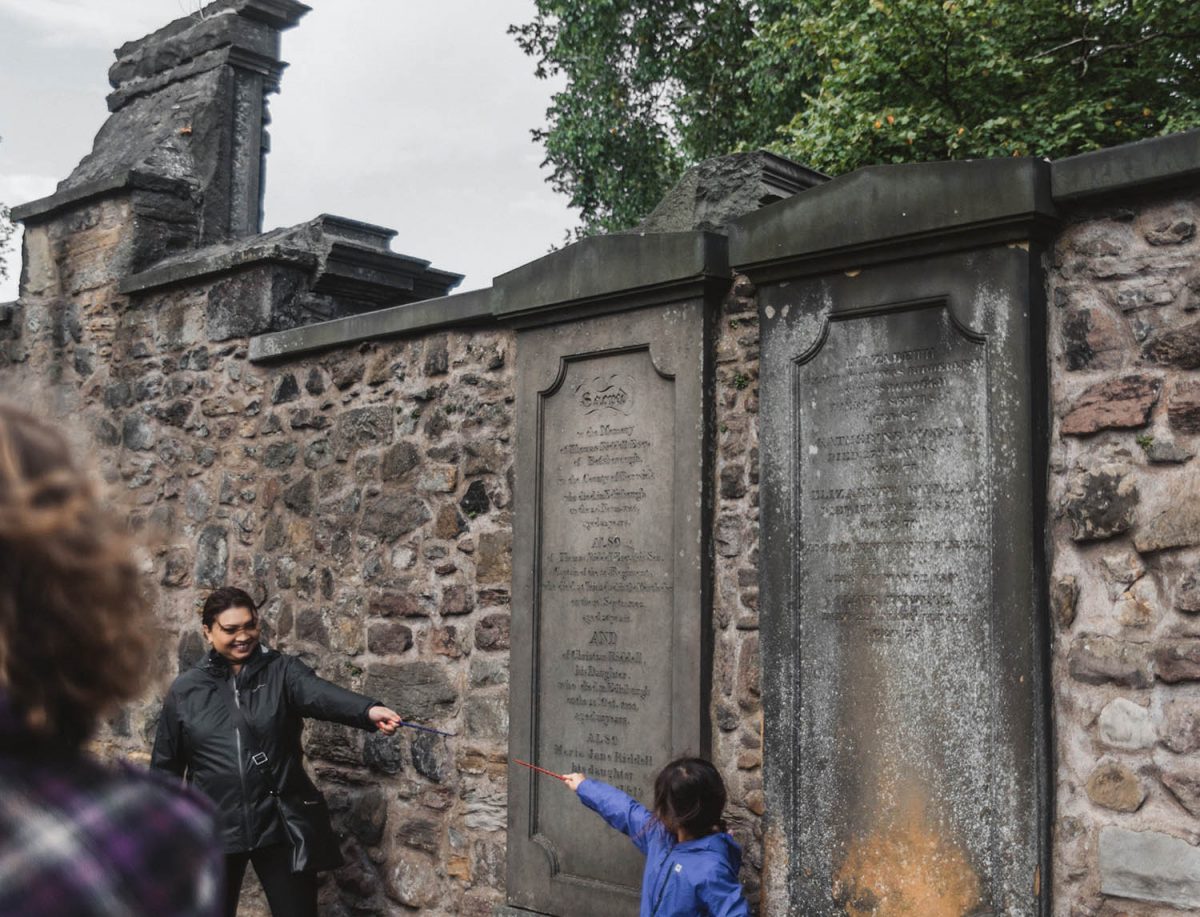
[237, 699]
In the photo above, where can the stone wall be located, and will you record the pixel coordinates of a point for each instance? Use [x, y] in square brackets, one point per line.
[366, 493]
[362, 486]
[1125, 499]
[737, 704]
[359, 473]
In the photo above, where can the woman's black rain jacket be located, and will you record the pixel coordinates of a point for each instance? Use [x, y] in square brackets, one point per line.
[198, 739]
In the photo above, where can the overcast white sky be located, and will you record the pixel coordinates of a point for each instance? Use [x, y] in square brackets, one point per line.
[414, 114]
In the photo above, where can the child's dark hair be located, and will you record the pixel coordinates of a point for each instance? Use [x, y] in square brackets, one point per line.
[225, 598]
[690, 794]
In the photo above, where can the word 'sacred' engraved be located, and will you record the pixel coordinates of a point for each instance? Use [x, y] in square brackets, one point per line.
[611, 392]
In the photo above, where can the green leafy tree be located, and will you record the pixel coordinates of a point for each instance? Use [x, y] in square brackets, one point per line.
[908, 80]
[652, 87]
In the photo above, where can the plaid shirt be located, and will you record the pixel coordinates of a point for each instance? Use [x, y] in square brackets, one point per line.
[81, 839]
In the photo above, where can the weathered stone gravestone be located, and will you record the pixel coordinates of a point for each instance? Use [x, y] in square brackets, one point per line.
[610, 636]
[902, 386]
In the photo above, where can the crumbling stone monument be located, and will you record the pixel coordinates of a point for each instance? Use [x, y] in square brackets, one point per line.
[975, 685]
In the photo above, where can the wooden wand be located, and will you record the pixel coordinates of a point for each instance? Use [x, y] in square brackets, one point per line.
[540, 770]
[426, 729]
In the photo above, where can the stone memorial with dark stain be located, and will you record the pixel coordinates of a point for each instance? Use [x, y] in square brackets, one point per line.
[901, 602]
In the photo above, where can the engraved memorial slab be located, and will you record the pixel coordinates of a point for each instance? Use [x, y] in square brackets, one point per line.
[899, 589]
[608, 629]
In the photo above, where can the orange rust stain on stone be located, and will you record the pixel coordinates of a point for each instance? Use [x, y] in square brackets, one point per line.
[906, 868]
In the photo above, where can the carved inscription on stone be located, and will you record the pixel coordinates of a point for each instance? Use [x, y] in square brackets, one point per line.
[895, 577]
[605, 586]
[893, 499]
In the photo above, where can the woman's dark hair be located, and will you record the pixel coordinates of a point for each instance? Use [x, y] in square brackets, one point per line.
[222, 600]
[76, 629]
[690, 794]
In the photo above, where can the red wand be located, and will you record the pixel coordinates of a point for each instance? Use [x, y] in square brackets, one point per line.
[540, 770]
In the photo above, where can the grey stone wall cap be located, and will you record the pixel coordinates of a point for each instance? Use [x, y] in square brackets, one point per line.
[268, 65]
[449, 278]
[881, 205]
[367, 234]
[604, 266]
[202, 63]
[174, 46]
[215, 260]
[241, 33]
[280, 14]
[347, 258]
[789, 173]
[1157, 161]
[472, 307]
[712, 194]
[69, 198]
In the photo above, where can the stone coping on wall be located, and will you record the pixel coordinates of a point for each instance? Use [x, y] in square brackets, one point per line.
[348, 258]
[1133, 166]
[713, 193]
[940, 206]
[604, 267]
[879, 212]
[471, 307]
[889, 212]
[70, 198]
[601, 274]
[217, 260]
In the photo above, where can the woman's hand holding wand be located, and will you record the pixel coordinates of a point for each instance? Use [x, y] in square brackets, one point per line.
[385, 719]
[388, 721]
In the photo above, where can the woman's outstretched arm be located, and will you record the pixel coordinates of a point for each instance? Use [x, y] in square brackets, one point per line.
[323, 700]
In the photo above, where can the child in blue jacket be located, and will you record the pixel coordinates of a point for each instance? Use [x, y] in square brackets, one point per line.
[691, 862]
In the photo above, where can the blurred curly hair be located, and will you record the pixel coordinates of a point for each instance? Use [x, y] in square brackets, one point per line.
[75, 625]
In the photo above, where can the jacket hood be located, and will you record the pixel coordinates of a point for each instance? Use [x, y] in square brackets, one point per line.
[721, 844]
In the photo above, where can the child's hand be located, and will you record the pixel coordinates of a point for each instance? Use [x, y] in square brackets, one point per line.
[573, 780]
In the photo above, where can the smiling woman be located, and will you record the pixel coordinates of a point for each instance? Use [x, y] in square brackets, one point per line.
[231, 727]
[232, 630]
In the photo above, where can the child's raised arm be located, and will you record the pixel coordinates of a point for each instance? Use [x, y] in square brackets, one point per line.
[619, 809]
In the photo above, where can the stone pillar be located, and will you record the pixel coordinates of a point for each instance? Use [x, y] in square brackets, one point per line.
[188, 108]
[611, 561]
[902, 609]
